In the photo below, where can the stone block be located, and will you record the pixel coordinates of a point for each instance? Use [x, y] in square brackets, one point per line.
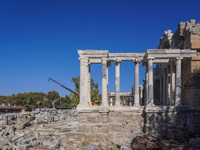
[103, 118]
[91, 147]
[3, 142]
[100, 129]
[84, 128]
[25, 112]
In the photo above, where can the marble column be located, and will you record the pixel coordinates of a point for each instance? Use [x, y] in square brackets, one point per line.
[178, 82]
[89, 86]
[164, 86]
[150, 79]
[161, 89]
[172, 85]
[141, 95]
[104, 83]
[136, 89]
[168, 85]
[108, 64]
[83, 82]
[117, 83]
[146, 84]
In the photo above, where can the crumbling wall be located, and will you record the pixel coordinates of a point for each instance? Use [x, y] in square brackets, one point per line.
[118, 126]
[187, 36]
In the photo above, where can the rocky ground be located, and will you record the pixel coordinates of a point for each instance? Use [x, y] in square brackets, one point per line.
[41, 130]
[57, 130]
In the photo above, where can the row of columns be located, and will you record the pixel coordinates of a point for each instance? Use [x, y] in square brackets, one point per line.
[170, 89]
[170, 84]
[85, 85]
[167, 85]
[117, 83]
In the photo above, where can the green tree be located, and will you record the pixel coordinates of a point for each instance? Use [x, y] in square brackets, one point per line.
[95, 95]
[53, 95]
[65, 102]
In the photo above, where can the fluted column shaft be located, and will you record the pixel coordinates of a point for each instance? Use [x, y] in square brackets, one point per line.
[161, 89]
[146, 84]
[136, 89]
[104, 83]
[83, 81]
[168, 86]
[117, 83]
[150, 88]
[164, 86]
[172, 85]
[178, 82]
[89, 86]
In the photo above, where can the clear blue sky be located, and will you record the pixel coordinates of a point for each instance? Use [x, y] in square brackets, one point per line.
[40, 38]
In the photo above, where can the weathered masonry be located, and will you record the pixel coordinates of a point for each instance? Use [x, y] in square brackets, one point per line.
[118, 122]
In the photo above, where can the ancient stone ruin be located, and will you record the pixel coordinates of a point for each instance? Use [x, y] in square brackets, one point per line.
[164, 113]
[171, 90]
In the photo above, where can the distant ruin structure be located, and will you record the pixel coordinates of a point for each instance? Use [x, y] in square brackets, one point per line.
[169, 92]
[187, 36]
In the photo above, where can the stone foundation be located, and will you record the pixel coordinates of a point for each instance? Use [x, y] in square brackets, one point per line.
[121, 124]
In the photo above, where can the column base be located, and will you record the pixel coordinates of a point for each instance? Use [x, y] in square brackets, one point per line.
[117, 104]
[82, 105]
[136, 104]
[104, 105]
[151, 104]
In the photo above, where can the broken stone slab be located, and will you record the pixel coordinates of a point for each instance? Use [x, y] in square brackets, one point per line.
[17, 136]
[22, 124]
[7, 147]
[125, 146]
[23, 112]
[65, 130]
[77, 144]
[62, 148]
[91, 147]
[3, 142]
[40, 121]
[9, 130]
[15, 147]
[52, 145]
[1, 133]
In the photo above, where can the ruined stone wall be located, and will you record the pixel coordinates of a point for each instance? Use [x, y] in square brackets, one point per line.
[187, 36]
[118, 126]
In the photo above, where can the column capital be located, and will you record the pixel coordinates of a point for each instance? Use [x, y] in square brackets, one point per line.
[84, 60]
[137, 61]
[117, 61]
[178, 58]
[104, 60]
[141, 87]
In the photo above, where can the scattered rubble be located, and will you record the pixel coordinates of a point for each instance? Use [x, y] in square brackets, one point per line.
[176, 138]
[38, 129]
[53, 129]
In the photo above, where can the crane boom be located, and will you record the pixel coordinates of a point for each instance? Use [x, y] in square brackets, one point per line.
[64, 86]
[69, 89]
